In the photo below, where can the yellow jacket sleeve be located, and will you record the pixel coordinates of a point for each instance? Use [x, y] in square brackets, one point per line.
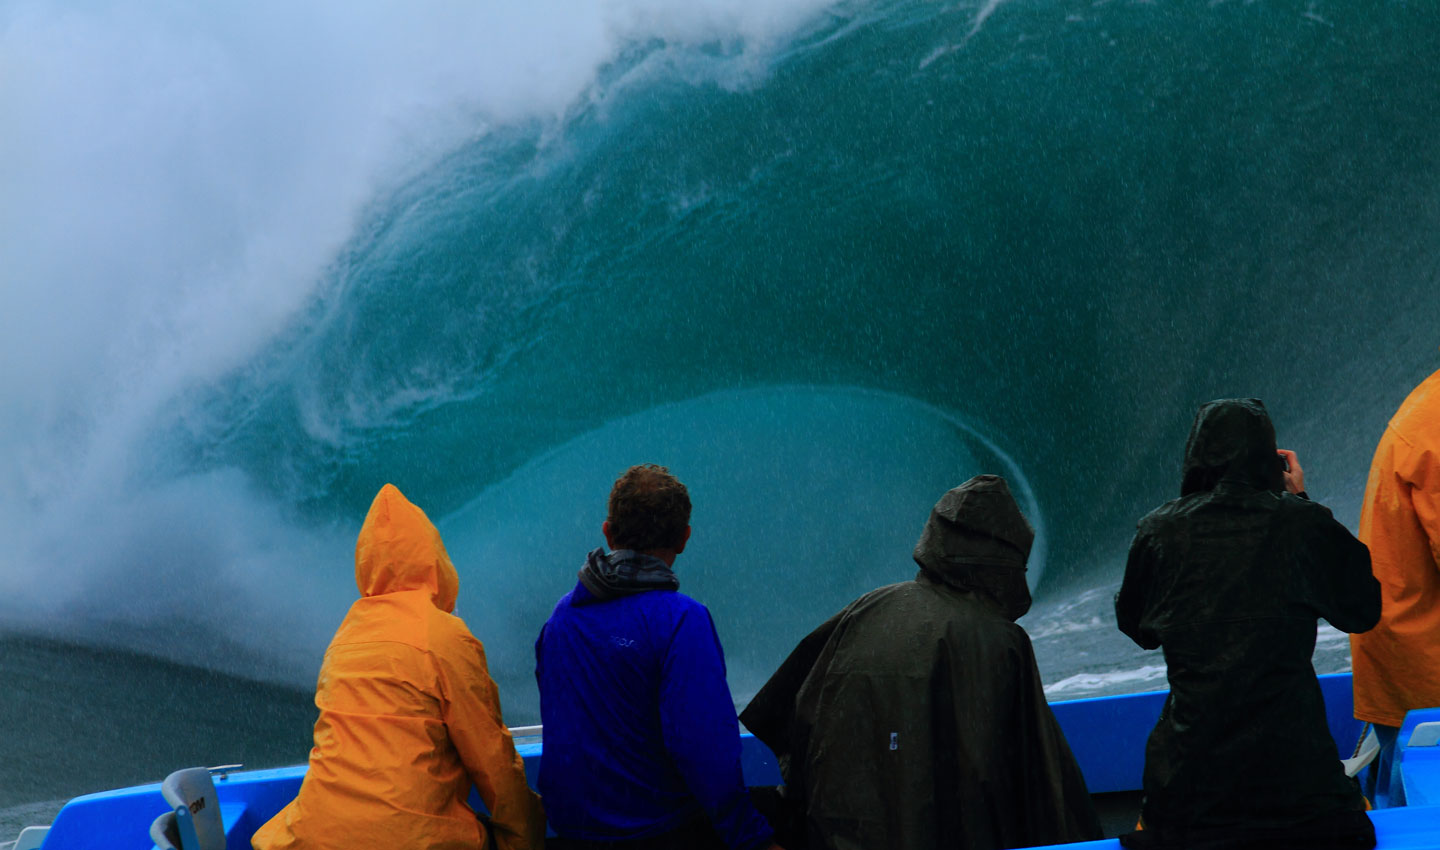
[1394, 664]
[1424, 479]
[472, 717]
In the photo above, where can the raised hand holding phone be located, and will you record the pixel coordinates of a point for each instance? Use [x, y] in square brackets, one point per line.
[1290, 469]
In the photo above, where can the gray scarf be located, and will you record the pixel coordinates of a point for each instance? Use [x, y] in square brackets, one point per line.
[625, 572]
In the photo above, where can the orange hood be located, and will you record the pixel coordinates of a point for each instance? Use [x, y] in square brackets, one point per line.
[399, 548]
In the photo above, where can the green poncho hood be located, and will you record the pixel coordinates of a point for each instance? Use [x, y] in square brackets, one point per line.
[977, 540]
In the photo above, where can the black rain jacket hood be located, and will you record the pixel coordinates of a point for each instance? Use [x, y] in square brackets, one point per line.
[1231, 440]
[977, 540]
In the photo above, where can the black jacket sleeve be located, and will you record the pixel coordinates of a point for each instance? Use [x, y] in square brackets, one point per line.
[1133, 598]
[1342, 587]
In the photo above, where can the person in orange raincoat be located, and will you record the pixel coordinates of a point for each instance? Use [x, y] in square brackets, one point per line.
[409, 716]
[1397, 664]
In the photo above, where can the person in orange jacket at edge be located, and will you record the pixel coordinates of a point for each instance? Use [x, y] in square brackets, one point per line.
[1394, 663]
[409, 716]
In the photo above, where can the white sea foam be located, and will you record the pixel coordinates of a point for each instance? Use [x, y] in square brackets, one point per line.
[1068, 627]
[983, 15]
[176, 179]
[1085, 611]
[1332, 655]
[1147, 678]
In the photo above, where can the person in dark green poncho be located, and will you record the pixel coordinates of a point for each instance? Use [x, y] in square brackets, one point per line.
[914, 718]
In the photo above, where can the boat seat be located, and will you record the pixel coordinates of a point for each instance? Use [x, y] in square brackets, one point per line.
[194, 821]
[1425, 735]
[1419, 757]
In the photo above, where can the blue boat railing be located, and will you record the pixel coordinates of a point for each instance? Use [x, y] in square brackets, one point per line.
[1107, 735]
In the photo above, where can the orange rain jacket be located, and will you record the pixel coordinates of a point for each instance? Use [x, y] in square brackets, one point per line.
[1397, 664]
[409, 717]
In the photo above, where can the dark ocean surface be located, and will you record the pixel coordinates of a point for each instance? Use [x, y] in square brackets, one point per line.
[78, 720]
[822, 266]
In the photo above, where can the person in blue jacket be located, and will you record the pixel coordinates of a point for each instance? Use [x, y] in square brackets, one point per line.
[642, 745]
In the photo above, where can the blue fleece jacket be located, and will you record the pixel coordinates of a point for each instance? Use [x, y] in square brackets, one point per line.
[640, 730]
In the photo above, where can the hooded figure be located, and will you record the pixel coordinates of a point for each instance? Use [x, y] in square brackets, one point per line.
[914, 718]
[1229, 580]
[409, 717]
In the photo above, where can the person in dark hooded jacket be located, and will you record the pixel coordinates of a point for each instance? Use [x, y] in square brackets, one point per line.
[1229, 580]
[914, 719]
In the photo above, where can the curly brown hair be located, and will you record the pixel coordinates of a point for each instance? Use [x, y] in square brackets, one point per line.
[649, 509]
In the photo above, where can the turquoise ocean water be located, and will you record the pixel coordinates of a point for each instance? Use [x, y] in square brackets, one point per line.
[823, 264]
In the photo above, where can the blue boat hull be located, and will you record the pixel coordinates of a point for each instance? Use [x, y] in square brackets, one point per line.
[1107, 735]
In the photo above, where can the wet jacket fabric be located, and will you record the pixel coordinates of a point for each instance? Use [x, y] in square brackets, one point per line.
[915, 718]
[640, 730]
[1396, 663]
[409, 717]
[1230, 580]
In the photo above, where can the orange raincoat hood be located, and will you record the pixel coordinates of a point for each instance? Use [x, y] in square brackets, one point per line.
[400, 549]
